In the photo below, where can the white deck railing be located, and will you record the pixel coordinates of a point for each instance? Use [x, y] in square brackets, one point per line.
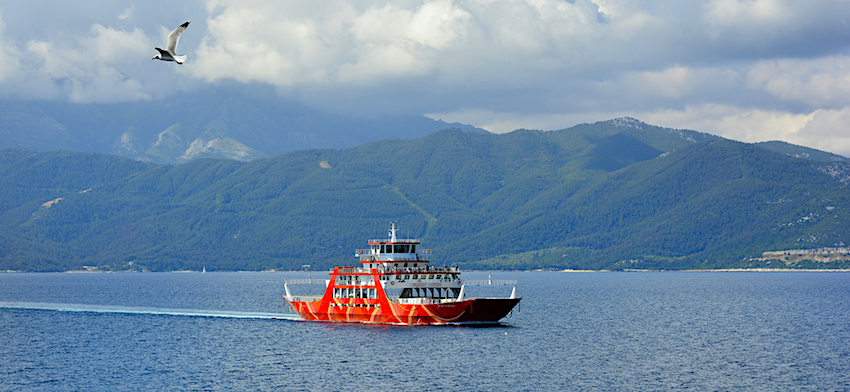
[395, 257]
[306, 298]
[397, 240]
[307, 281]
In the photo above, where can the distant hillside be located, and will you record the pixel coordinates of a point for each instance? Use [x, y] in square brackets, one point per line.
[212, 123]
[618, 194]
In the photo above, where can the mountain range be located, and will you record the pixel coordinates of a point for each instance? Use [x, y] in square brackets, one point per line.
[211, 123]
[617, 194]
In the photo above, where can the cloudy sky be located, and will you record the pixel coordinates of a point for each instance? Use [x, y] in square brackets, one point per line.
[749, 70]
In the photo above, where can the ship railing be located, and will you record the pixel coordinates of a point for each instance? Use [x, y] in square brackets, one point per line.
[355, 270]
[305, 298]
[397, 241]
[419, 270]
[489, 282]
[407, 256]
[307, 281]
[394, 257]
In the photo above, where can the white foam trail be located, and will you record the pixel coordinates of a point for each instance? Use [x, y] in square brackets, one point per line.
[143, 310]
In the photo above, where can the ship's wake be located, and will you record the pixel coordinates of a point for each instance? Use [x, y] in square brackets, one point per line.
[148, 311]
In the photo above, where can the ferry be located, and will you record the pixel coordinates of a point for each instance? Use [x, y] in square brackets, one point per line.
[395, 283]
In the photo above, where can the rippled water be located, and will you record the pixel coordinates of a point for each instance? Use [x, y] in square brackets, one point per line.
[573, 331]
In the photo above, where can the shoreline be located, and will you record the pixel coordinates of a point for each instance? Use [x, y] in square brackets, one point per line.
[771, 270]
[744, 270]
[535, 270]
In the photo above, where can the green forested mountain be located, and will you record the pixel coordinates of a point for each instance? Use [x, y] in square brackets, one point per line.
[618, 194]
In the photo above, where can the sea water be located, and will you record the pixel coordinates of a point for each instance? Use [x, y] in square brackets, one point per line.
[572, 331]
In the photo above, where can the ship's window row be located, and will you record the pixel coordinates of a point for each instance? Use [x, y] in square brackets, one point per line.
[355, 293]
[430, 292]
[355, 305]
[395, 248]
[421, 276]
[353, 280]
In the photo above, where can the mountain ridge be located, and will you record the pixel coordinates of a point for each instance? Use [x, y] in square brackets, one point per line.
[210, 123]
[479, 200]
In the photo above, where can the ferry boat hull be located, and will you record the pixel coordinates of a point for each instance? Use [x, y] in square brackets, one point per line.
[471, 311]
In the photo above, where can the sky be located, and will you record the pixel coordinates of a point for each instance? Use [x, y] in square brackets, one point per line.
[748, 70]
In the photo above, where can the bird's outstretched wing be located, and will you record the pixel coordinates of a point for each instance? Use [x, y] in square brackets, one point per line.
[171, 45]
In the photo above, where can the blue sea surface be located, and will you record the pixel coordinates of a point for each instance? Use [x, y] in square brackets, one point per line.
[748, 331]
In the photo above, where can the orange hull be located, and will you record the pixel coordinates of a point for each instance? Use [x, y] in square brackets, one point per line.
[477, 310]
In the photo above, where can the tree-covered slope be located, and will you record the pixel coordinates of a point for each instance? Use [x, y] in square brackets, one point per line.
[616, 194]
[709, 205]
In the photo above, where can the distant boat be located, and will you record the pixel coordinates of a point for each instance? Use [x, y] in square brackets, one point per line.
[205, 270]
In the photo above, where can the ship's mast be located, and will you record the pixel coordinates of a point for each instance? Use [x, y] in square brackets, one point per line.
[393, 229]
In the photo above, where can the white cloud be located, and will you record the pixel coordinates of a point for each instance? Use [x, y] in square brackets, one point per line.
[9, 54]
[261, 44]
[433, 25]
[106, 85]
[334, 43]
[366, 41]
[822, 82]
[107, 45]
[747, 125]
[673, 82]
[821, 129]
[737, 12]
[127, 13]
[391, 41]
[87, 72]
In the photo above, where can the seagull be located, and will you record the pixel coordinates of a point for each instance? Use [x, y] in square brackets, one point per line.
[171, 46]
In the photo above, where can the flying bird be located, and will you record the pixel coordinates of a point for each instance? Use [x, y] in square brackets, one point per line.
[171, 46]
